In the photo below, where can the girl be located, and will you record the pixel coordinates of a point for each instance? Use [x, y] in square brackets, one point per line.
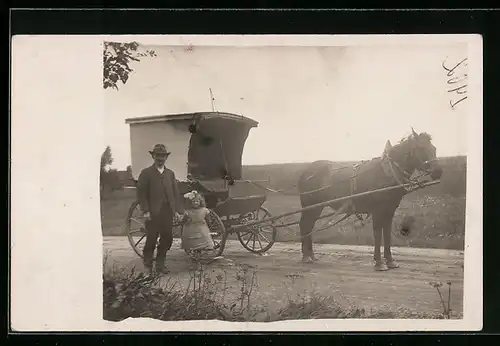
[195, 233]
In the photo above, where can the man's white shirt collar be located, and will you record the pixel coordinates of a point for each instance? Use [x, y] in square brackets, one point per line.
[160, 169]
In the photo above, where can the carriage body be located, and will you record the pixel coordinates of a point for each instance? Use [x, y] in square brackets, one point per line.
[206, 155]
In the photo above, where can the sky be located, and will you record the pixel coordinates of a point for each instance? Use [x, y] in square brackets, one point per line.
[338, 103]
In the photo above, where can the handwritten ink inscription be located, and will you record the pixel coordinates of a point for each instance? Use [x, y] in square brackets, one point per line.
[457, 81]
[151, 53]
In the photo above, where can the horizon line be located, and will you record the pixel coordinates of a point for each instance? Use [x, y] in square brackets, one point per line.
[308, 162]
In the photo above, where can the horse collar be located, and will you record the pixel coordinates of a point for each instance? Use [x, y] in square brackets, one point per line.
[393, 163]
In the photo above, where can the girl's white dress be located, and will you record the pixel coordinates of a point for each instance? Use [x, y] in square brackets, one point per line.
[195, 233]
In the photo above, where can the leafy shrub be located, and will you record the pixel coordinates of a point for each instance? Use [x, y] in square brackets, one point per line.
[141, 295]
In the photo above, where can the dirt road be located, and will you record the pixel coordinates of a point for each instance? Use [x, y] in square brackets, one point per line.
[344, 272]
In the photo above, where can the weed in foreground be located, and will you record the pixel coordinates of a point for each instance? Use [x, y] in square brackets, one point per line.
[316, 307]
[446, 307]
[135, 294]
[132, 294]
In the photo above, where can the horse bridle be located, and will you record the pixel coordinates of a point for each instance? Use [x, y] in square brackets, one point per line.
[423, 166]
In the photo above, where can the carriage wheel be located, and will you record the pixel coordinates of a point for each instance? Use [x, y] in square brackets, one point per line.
[258, 238]
[219, 236]
[136, 229]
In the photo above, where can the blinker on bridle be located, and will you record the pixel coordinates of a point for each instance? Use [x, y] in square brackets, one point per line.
[423, 164]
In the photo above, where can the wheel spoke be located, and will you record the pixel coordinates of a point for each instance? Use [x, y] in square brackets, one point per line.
[259, 234]
[133, 219]
[268, 229]
[248, 241]
[259, 241]
[136, 231]
[140, 240]
[242, 234]
[253, 247]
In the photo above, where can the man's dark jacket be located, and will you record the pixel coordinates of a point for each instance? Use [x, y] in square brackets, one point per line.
[155, 188]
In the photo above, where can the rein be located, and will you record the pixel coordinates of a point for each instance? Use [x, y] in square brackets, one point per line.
[348, 207]
[393, 167]
[407, 175]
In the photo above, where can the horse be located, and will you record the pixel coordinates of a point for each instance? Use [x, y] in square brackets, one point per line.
[321, 182]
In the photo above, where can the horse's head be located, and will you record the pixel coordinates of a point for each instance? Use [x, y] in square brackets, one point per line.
[416, 152]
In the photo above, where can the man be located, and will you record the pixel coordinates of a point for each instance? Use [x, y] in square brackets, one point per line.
[160, 201]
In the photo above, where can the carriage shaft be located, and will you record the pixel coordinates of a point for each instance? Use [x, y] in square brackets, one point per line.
[323, 204]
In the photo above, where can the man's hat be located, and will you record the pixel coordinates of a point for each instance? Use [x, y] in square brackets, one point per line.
[159, 149]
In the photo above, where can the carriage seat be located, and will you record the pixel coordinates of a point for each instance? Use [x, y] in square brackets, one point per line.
[233, 199]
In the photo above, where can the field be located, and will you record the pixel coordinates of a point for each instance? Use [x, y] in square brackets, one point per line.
[439, 210]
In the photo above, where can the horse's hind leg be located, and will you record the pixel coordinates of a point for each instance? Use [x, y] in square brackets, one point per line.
[307, 221]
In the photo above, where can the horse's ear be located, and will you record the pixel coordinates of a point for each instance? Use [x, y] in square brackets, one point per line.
[388, 147]
[414, 133]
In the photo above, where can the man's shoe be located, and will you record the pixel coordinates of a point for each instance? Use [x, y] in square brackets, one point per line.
[162, 270]
[148, 264]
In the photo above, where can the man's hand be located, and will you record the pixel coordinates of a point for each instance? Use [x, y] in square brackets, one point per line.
[146, 215]
[177, 217]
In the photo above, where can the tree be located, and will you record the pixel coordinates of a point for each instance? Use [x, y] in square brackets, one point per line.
[129, 171]
[106, 161]
[117, 57]
[106, 158]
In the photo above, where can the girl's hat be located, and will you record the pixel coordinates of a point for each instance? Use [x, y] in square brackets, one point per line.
[191, 195]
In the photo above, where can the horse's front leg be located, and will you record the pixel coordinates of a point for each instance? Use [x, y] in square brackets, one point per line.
[391, 264]
[377, 236]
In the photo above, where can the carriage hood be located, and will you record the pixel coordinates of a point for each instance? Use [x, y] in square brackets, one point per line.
[216, 148]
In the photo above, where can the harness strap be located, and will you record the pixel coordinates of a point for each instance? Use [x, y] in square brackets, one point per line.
[391, 163]
[331, 171]
[406, 175]
[401, 169]
[355, 170]
[353, 182]
[394, 175]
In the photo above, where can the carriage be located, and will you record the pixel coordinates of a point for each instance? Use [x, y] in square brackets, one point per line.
[206, 156]
[206, 153]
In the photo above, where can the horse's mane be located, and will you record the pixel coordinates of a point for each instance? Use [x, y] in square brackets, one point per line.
[423, 135]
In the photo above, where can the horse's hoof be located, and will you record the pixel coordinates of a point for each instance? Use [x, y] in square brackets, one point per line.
[307, 260]
[380, 267]
[392, 265]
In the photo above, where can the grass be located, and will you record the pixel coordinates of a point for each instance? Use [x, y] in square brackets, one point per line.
[438, 211]
[128, 294]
